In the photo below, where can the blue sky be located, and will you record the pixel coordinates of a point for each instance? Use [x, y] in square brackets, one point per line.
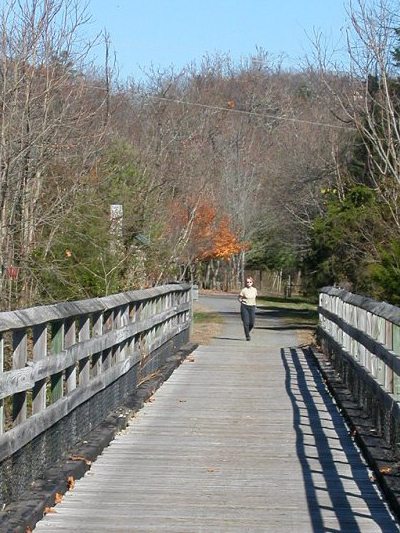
[175, 32]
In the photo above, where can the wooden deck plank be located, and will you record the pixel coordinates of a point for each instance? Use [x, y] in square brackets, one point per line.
[243, 439]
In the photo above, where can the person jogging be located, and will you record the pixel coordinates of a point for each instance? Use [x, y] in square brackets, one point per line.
[247, 299]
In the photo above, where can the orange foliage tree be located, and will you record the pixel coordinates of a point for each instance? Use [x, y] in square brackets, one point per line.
[210, 238]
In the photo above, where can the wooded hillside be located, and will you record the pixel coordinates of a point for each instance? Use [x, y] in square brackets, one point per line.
[217, 166]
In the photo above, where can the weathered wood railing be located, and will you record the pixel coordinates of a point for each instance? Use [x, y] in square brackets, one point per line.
[66, 366]
[362, 338]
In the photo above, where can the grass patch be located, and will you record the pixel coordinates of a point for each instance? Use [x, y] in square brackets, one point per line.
[206, 325]
[296, 302]
[202, 317]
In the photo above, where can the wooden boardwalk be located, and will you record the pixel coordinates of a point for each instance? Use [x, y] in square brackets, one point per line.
[244, 438]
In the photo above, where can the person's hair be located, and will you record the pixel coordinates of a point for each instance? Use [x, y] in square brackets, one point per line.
[250, 278]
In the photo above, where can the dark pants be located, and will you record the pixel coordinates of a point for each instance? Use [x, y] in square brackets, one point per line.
[248, 314]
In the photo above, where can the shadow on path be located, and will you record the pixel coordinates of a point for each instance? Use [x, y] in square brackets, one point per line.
[297, 318]
[301, 382]
[287, 327]
[229, 339]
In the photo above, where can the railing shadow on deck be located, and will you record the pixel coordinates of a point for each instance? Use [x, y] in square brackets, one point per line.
[297, 385]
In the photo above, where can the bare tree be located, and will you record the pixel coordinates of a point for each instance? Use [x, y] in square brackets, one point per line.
[50, 125]
[371, 103]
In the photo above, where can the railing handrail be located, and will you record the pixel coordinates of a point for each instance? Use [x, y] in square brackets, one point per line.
[382, 309]
[361, 337]
[93, 343]
[361, 324]
[31, 316]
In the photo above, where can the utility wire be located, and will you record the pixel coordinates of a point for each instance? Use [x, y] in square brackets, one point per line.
[231, 109]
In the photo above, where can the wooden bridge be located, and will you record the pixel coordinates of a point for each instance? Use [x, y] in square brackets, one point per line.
[243, 437]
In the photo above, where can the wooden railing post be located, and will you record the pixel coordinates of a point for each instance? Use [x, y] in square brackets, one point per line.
[117, 321]
[1, 371]
[84, 363]
[131, 313]
[107, 326]
[70, 340]
[368, 361]
[125, 322]
[396, 350]
[39, 353]
[97, 331]
[362, 325]
[380, 336]
[389, 346]
[57, 344]
[19, 357]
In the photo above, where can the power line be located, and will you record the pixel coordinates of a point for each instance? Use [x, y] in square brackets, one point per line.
[243, 112]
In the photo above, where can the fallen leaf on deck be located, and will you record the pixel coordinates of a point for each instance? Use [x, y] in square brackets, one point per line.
[190, 359]
[385, 470]
[182, 401]
[58, 498]
[80, 458]
[49, 510]
[71, 482]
